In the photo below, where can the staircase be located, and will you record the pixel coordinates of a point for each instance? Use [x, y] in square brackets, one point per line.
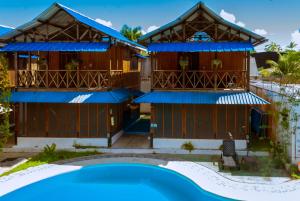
[138, 127]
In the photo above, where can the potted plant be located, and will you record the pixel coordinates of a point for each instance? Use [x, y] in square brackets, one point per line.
[72, 65]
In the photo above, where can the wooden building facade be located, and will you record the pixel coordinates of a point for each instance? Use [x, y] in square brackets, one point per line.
[73, 79]
[200, 81]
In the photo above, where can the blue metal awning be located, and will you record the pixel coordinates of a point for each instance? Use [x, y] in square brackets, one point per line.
[201, 47]
[205, 98]
[57, 46]
[116, 96]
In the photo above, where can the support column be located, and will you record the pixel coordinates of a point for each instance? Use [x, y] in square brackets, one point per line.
[108, 125]
[16, 68]
[248, 71]
[47, 119]
[78, 121]
[16, 119]
[151, 127]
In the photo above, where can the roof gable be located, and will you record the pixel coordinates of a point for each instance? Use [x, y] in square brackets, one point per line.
[56, 20]
[201, 19]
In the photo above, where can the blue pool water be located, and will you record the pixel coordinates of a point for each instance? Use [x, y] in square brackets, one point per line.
[114, 182]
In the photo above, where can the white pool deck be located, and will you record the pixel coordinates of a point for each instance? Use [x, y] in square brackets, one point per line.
[203, 174]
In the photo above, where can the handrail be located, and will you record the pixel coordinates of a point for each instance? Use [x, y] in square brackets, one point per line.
[199, 79]
[71, 79]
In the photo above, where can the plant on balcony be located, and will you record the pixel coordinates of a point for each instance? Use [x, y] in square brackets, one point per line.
[42, 64]
[216, 64]
[4, 96]
[73, 65]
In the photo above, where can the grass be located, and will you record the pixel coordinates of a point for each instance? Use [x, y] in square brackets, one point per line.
[265, 167]
[45, 158]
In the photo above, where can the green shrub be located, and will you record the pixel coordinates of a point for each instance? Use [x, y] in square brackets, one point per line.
[279, 156]
[294, 169]
[265, 73]
[295, 176]
[188, 146]
[266, 170]
[49, 150]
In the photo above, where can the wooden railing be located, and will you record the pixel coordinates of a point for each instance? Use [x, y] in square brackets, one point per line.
[207, 80]
[72, 79]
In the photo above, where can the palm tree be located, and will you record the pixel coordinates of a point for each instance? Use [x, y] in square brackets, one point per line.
[291, 46]
[287, 69]
[273, 47]
[131, 33]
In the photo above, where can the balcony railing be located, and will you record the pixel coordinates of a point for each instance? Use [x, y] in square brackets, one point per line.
[75, 79]
[206, 80]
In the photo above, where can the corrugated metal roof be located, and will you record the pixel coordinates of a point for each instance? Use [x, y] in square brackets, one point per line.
[205, 98]
[48, 13]
[57, 46]
[5, 29]
[201, 47]
[116, 96]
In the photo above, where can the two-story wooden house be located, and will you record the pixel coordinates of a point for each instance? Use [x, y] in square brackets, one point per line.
[200, 80]
[73, 78]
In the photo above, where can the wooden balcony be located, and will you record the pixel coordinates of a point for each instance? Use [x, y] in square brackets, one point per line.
[199, 80]
[76, 79]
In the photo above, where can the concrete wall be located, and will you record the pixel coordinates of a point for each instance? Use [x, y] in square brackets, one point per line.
[159, 143]
[61, 143]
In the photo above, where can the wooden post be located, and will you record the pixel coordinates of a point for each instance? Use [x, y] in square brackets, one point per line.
[16, 68]
[216, 32]
[77, 33]
[248, 71]
[183, 120]
[17, 109]
[108, 125]
[29, 57]
[152, 129]
[88, 120]
[78, 121]
[25, 118]
[47, 119]
[215, 120]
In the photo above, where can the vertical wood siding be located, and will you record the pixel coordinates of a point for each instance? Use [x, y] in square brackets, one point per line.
[230, 60]
[63, 120]
[200, 121]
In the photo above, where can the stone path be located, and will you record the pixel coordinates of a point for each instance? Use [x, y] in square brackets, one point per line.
[203, 174]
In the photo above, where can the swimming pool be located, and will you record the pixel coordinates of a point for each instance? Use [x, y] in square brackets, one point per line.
[114, 182]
